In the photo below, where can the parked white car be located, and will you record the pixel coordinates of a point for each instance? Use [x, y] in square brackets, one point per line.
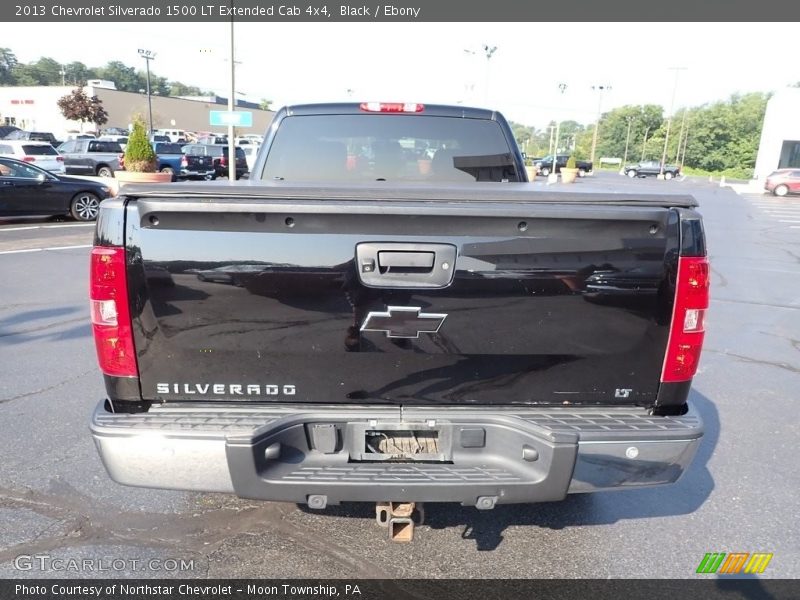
[41, 154]
[250, 153]
[249, 139]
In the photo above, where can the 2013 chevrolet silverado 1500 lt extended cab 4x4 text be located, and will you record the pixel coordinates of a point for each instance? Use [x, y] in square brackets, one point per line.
[388, 312]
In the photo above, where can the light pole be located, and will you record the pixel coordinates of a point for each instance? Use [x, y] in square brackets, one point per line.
[231, 109]
[627, 140]
[63, 74]
[488, 52]
[147, 55]
[553, 174]
[231, 101]
[683, 152]
[644, 142]
[680, 137]
[669, 121]
[599, 89]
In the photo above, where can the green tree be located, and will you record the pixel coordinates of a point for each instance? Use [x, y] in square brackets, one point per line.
[7, 63]
[265, 104]
[522, 134]
[159, 86]
[49, 71]
[77, 73]
[23, 74]
[139, 154]
[724, 136]
[124, 77]
[176, 88]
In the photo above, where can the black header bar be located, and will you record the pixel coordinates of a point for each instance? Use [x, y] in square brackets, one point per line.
[286, 11]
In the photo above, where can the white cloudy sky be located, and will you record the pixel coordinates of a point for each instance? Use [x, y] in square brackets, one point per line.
[427, 62]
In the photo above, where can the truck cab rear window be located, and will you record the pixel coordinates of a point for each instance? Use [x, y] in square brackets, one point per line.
[362, 148]
[162, 148]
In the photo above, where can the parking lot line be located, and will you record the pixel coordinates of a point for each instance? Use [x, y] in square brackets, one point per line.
[28, 227]
[787, 221]
[21, 251]
[85, 246]
[53, 248]
[20, 228]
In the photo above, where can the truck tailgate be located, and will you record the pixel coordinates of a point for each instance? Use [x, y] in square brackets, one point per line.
[196, 162]
[256, 297]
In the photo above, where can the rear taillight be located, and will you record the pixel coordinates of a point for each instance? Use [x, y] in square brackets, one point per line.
[28, 159]
[223, 161]
[59, 159]
[111, 319]
[687, 327]
[184, 161]
[392, 107]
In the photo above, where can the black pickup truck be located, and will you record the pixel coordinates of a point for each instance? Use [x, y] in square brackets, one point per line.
[545, 165]
[652, 168]
[179, 161]
[357, 323]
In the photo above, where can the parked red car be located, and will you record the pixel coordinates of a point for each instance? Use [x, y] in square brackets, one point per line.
[783, 181]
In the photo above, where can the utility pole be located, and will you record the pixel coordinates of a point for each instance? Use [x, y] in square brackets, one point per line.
[627, 139]
[669, 121]
[147, 55]
[599, 89]
[63, 74]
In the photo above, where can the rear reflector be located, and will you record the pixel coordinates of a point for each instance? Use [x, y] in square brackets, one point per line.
[392, 107]
[687, 327]
[111, 320]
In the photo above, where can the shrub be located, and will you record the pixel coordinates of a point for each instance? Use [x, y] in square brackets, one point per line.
[139, 154]
[571, 162]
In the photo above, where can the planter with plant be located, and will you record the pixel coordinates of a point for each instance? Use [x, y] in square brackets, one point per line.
[569, 173]
[140, 159]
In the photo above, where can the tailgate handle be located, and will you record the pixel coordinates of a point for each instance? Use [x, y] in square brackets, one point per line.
[405, 260]
[405, 265]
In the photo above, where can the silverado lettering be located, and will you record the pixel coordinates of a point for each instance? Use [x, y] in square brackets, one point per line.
[249, 389]
[574, 321]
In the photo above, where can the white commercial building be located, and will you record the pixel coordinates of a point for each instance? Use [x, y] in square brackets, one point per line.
[35, 108]
[780, 135]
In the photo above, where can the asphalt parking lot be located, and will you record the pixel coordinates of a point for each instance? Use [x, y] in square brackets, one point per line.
[740, 494]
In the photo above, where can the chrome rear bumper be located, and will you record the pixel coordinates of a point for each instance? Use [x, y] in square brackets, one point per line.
[505, 454]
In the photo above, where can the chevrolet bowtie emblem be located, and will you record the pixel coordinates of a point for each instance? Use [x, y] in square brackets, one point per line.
[403, 322]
